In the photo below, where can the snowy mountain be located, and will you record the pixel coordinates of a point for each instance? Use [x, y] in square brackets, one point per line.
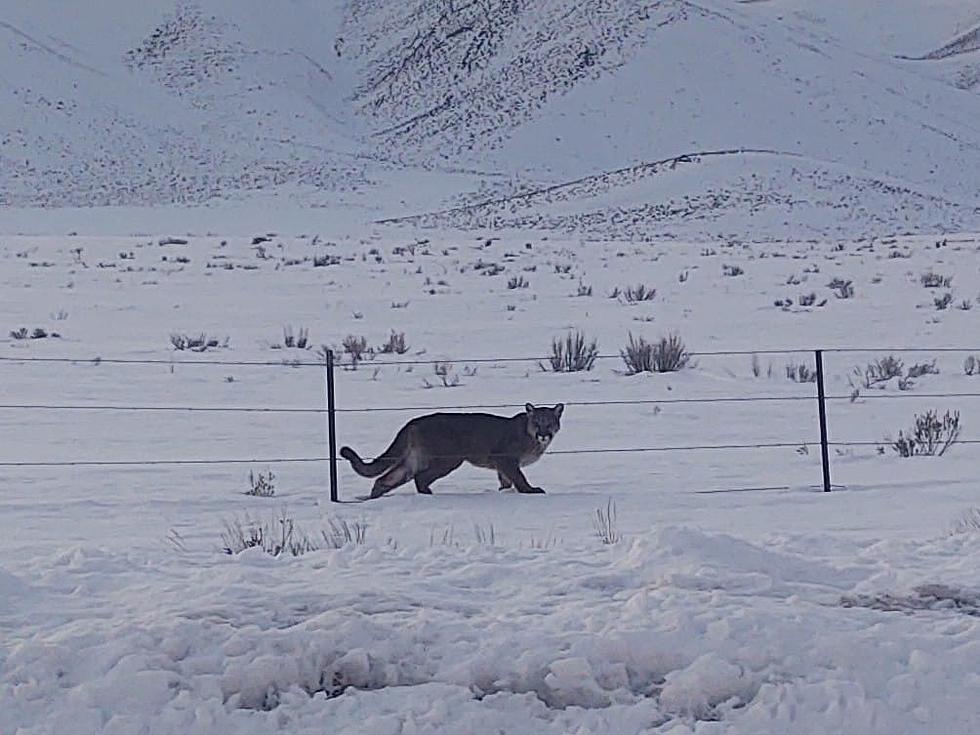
[164, 103]
[867, 116]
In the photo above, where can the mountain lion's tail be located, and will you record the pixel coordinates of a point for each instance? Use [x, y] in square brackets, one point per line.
[392, 455]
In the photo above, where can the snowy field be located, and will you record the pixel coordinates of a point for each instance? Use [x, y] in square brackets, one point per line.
[750, 162]
[739, 598]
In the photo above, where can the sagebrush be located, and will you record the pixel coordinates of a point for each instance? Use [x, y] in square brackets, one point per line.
[396, 344]
[261, 485]
[666, 356]
[931, 435]
[634, 294]
[801, 373]
[575, 353]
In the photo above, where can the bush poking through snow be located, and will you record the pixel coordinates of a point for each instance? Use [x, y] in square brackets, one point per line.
[666, 356]
[757, 368]
[489, 269]
[971, 365]
[340, 532]
[635, 294]
[396, 344]
[732, 270]
[200, 343]
[177, 541]
[880, 371]
[299, 340]
[969, 522]
[842, 289]
[638, 356]
[284, 536]
[935, 280]
[37, 333]
[604, 524]
[281, 536]
[322, 261]
[447, 537]
[355, 347]
[942, 302]
[517, 282]
[922, 368]
[261, 485]
[572, 354]
[447, 376]
[931, 435]
[485, 536]
[801, 373]
[542, 543]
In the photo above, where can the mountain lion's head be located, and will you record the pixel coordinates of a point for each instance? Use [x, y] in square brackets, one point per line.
[543, 423]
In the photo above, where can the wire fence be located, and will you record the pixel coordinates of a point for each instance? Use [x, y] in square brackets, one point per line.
[96, 359]
[463, 407]
[330, 410]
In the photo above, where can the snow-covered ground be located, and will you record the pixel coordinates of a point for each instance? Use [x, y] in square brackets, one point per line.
[773, 609]
[484, 177]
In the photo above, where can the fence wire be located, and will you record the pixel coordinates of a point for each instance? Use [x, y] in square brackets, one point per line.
[288, 460]
[285, 362]
[371, 409]
[462, 407]
[557, 452]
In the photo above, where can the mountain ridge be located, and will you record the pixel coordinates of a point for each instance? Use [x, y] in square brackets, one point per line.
[191, 102]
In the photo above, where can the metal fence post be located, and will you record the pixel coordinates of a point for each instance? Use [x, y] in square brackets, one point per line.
[331, 428]
[822, 401]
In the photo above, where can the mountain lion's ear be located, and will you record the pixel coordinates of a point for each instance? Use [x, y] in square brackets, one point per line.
[558, 409]
[529, 408]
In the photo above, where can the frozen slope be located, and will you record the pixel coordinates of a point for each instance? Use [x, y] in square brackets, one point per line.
[168, 102]
[562, 87]
[697, 79]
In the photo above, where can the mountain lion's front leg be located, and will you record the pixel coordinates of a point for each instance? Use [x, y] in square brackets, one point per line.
[511, 470]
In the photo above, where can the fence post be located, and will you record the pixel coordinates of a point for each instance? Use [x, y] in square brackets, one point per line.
[822, 401]
[331, 428]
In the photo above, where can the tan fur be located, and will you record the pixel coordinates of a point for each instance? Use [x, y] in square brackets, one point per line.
[430, 447]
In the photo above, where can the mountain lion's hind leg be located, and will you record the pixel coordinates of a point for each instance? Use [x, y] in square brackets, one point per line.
[395, 477]
[505, 484]
[432, 473]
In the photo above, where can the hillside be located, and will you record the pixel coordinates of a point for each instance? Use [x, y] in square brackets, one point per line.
[167, 103]
[869, 115]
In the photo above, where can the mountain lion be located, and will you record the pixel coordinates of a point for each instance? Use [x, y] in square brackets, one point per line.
[430, 447]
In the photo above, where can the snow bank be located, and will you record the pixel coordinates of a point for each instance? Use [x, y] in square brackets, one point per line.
[681, 630]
